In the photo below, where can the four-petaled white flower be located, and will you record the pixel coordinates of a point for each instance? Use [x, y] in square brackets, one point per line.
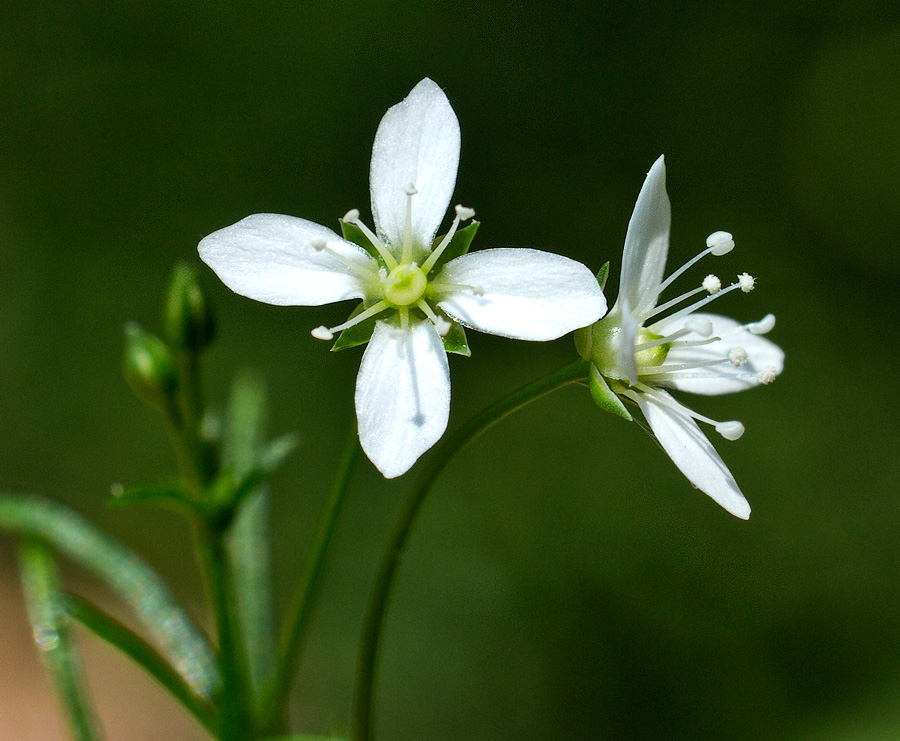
[417, 293]
[636, 353]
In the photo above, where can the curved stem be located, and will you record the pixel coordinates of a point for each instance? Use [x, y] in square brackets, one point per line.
[443, 454]
[305, 597]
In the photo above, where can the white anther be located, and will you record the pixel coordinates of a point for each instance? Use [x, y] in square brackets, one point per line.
[767, 374]
[730, 430]
[737, 356]
[763, 326]
[318, 244]
[323, 333]
[712, 284]
[464, 212]
[747, 281]
[477, 291]
[352, 216]
[410, 190]
[720, 243]
[702, 327]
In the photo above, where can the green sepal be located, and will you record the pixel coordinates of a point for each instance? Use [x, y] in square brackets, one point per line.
[150, 368]
[188, 322]
[459, 245]
[603, 274]
[605, 397]
[168, 495]
[353, 233]
[358, 334]
[455, 340]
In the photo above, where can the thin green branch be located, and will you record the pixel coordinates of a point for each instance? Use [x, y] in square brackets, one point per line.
[384, 580]
[304, 600]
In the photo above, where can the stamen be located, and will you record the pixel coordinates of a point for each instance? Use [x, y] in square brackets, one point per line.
[653, 370]
[720, 243]
[696, 343]
[476, 290]
[731, 430]
[462, 214]
[440, 324]
[674, 302]
[689, 309]
[327, 333]
[404, 319]
[767, 374]
[716, 244]
[763, 326]
[321, 245]
[352, 217]
[747, 282]
[712, 284]
[737, 356]
[410, 191]
[661, 341]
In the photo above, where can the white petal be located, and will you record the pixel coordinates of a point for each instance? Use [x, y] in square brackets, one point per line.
[723, 378]
[417, 143]
[269, 257]
[521, 293]
[694, 455]
[402, 395]
[625, 350]
[647, 242]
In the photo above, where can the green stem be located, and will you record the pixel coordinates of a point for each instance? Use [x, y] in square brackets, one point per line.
[305, 597]
[443, 454]
[233, 701]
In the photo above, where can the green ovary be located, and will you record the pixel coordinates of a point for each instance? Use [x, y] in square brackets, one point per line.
[405, 285]
[604, 350]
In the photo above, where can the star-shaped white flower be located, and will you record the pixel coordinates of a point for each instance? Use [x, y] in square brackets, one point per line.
[638, 351]
[417, 292]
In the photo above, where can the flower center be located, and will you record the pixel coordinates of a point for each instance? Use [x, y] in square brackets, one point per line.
[404, 285]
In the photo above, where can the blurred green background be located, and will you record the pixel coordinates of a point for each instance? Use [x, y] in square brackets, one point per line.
[564, 580]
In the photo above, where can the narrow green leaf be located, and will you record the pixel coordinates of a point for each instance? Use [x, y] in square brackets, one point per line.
[142, 653]
[358, 334]
[248, 540]
[455, 340]
[603, 274]
[605, 397]
[304, 737]
[459, 245]
[40, 581]
[70, 534]
[169, 495]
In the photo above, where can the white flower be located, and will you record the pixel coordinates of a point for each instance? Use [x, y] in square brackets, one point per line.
[417, 294]
[636, 352]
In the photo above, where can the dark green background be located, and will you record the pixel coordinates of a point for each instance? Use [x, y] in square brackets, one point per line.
[564, 580]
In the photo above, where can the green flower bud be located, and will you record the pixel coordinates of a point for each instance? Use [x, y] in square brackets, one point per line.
[188, 320]
[150, 368]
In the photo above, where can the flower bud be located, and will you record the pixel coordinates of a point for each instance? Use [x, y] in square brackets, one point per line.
[188, 320]
[150, 368]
